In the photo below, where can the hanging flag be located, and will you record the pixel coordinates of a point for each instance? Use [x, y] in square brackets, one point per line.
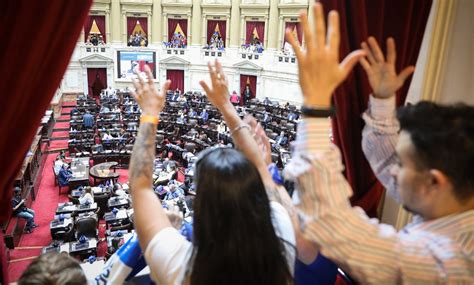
[179, 30]
[255, 33]
[248, 81]
[138, 29]
[217, 30]
[94, 28]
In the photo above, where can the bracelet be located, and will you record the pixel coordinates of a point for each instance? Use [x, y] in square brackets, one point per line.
[243, 126]
[148, 119]
[318, 113]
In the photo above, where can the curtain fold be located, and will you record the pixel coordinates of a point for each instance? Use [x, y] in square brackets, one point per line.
[211, 27]
[404, 20]
[96, 81]
[177, 79]
[254, 29]
[100, 21]
[132, 22]
[173, 24]
[43, 43]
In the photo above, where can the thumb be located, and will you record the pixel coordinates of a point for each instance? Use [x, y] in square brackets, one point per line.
[350, 61]
[165, 87]
[405, 73]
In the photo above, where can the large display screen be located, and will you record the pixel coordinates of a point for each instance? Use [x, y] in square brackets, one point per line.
[129, 63]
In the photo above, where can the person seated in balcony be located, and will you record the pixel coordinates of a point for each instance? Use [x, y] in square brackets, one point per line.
[64, 175]
[21, 211]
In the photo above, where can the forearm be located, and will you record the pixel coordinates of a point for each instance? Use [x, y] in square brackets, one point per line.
[379, 138]
[149, 216]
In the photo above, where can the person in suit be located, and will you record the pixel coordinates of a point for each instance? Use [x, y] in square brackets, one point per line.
[247, 94]
[64, 175]
[267, 101]
[281, 140]
[192, 113]
[204, 115]
[292, 116]
[88, 120]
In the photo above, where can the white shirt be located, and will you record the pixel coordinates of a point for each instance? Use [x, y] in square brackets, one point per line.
[169, 252]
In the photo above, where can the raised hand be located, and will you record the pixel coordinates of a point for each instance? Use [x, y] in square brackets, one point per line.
[219, 94]
[260, 137]
[150, 100]
[381, 72]
[319, 69]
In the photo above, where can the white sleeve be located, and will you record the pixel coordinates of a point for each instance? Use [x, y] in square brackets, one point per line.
[284, 230]
[167, 255]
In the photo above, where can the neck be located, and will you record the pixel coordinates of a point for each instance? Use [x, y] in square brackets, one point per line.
[450, 207]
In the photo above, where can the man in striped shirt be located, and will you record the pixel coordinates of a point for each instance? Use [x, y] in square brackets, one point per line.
[426, 165]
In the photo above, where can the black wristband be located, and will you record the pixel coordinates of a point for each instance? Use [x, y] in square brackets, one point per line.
[317, 113]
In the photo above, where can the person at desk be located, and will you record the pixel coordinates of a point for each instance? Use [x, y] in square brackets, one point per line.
[87, 198]
[175, 95]
[180, 119]
[58, 164]
[174, 192]
[292, 116]
[204, 115]
[266, 117]
[107, 137]
[64, 175]
[181, 98]
[192, 113]
[104, 109]
[267, 101]
[281, 140]
[21, 211]
[88, 120]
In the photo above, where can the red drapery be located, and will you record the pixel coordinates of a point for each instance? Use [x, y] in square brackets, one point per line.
[173, 23]
[44, 48]
[251, 80]
[177, 79]
[100, 21]
[404, 20]
[252, 27]
[292, 26]
[96, 81]
[211, 27]
[132, 22]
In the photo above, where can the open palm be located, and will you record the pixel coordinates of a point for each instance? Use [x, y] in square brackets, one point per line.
[381, 73]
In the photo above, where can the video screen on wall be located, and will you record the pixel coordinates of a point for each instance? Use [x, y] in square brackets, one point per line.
[129, 63]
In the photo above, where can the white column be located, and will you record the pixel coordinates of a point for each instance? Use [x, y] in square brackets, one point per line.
[234, 23]
[196, 17]
[150, 28]
[204, 30]
[115, 19]
[227, 30]
[242, 30]
[124, 25]
[189, 32]
[281, 33]
[266, 33]
[156, 22]
[165, 27]
[108, 26]
[273, 34]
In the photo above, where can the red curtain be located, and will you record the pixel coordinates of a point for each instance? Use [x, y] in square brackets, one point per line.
[211, 27]
[100, 21]
[252, 81]
[96, 81]
[43, 43]
[177, 79]
[260, 29]
[404, 20]
[173, 23]
[132, 22]
[292, 26]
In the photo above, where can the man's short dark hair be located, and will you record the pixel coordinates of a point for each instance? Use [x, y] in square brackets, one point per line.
[53, 268]
[443, 137]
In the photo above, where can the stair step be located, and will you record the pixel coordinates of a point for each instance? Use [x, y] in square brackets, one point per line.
[60, 129]
[59, 138]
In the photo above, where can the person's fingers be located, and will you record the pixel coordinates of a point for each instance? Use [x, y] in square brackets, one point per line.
[149, 74]
[350, 60]
[377, 52]
[307, 33]
[368, 52]
[138, 86]
[391, 51]
[205, 87]
[366, 65]
[212, 72]
[405, 73]
[320, 25]
[165, 87]
[220, 70]
[334, 32]
[135, 96]
[290, 37]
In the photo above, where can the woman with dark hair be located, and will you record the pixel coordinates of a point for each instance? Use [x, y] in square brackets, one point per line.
[240, 237]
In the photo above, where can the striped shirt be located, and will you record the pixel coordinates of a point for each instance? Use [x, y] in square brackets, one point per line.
[438, 251]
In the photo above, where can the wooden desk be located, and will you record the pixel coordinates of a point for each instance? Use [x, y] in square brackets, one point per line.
[80, 172]
[102, 171]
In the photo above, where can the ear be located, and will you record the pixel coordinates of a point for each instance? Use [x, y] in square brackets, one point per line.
[439, 180]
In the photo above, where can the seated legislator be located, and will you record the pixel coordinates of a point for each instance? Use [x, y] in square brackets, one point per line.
[239, 234]
[204, 115]
[88, 120]
[423, 156]
[87, 197]
[21, 211]
[64, 175]
[281, 139]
